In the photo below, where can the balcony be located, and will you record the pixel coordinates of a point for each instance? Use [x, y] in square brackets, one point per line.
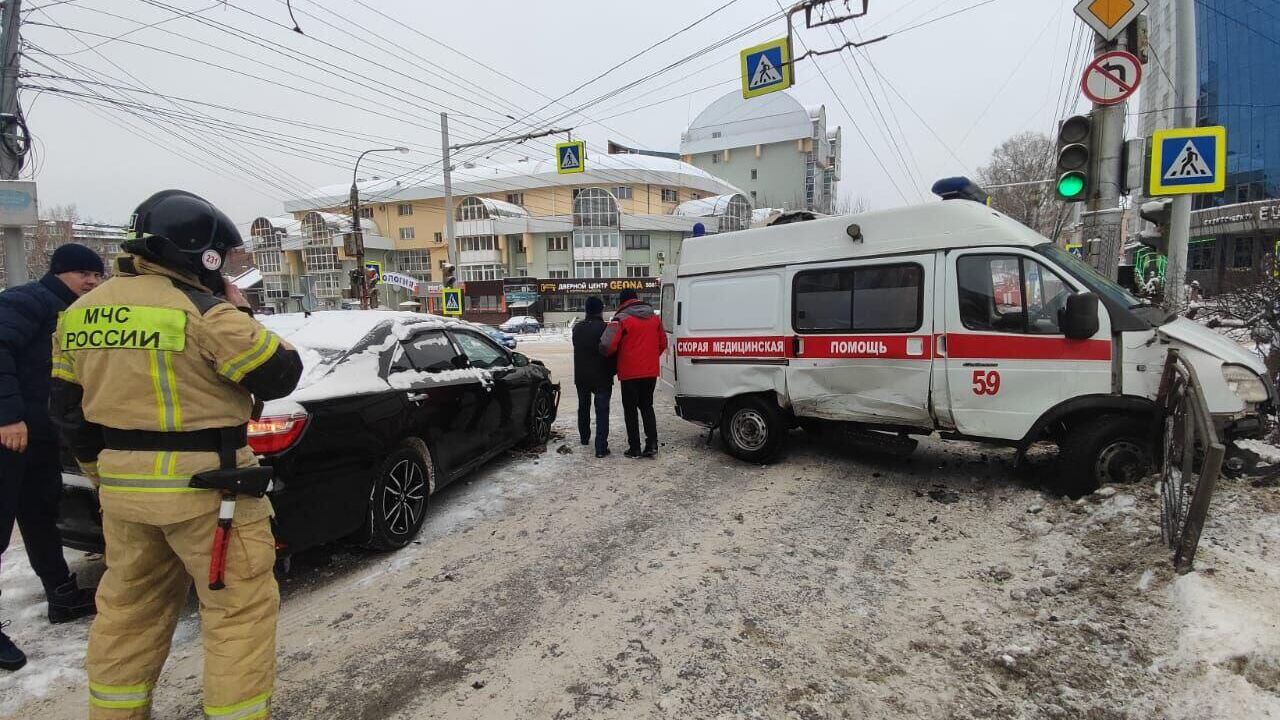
[479, 257]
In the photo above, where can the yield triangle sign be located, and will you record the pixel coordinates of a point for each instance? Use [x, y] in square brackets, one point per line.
[765, 74]
[1189, 164]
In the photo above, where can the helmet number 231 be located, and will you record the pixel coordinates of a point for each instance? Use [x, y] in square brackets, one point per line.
[986, 382]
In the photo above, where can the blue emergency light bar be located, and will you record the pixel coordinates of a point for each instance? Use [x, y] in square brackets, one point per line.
[960, 188]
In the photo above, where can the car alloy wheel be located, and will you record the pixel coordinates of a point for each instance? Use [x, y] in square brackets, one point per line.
[404, 497]
[542, 416]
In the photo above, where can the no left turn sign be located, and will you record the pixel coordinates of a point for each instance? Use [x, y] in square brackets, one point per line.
[1112, 77]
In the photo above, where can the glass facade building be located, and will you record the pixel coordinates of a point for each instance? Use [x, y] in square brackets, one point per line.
[1238, 57]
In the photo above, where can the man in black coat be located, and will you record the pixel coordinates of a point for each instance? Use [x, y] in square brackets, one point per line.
[593, 376]
[30, 465]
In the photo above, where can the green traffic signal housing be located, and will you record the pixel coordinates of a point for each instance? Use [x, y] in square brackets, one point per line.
[1075, 143]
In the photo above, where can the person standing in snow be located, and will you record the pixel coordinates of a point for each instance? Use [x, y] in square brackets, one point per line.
[635, 337]
[30, 463]
[155, 376]
[593, 376]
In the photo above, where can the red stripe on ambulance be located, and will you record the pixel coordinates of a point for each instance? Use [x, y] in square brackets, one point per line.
[732, 347]
[888, 347]
[975, 346]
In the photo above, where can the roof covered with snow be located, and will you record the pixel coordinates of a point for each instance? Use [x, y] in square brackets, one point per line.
[601, 169]
[708, 206]
[732, 121]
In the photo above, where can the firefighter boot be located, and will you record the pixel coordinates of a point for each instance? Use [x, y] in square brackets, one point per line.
[69, 601]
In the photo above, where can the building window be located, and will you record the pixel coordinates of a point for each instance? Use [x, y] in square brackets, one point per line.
[595, 207]
[557, 243]
[557, 273]
[516, 198]
[477, 242]
[715, 134]
[638, 271]
[637, 242]
[366, 212]
[414, 262]
[321, 259]
[1200, 256]
[622, 192]
[669, 195]
[753, 197]
[715, 159]
[268, 261]
[439, 237]
[754, 174]
[481, 272]
[1242, 255]
[472, 208]
[406, 233]
[404, 209]
[596, 269]
[595, 240]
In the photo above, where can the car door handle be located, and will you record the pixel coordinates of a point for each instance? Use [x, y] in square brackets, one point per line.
[416, 397]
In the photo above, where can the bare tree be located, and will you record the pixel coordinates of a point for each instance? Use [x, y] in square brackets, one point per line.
[1249, 313]
[53, 229]
[850, 204]
[1024, 158]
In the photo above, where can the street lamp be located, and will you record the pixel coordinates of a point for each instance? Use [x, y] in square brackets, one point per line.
[357, 237]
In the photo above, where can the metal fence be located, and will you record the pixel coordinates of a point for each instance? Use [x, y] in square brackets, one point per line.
[1192, 459]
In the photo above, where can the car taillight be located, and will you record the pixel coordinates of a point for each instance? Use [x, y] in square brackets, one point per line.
[275, 434]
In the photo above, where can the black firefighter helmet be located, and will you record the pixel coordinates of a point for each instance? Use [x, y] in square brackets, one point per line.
[183, 231]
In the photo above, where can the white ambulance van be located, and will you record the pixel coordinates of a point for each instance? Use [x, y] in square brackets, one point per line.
[948, 317]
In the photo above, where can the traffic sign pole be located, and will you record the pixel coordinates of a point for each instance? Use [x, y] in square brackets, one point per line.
[1175, 273]
[1102, 227]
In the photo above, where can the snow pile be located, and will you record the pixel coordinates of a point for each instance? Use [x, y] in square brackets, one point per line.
[1266, 452]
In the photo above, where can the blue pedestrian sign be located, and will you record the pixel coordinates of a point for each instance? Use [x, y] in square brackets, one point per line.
[571, 157]
[453, 302]
[1188, 160]
[766, 68]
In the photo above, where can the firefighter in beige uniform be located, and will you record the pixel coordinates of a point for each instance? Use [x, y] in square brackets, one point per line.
[154, 380]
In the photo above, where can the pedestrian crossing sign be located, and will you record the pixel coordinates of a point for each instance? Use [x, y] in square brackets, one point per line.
[766, 68]
[571, 157]
[453, 302]
[1188, 160]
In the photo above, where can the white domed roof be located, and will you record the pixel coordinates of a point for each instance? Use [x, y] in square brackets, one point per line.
[733, 121]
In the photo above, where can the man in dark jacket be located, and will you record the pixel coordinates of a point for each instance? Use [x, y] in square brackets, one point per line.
[636, 338]
[30, 468]
[593, 376]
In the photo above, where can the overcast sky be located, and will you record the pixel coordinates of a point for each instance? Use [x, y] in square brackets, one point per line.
[972, 79]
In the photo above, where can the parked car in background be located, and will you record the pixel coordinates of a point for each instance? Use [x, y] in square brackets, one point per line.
[521, 324]
[391, 407]
[506, 340]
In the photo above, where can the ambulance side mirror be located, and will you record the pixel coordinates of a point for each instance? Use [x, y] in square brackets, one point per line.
[1079, 318]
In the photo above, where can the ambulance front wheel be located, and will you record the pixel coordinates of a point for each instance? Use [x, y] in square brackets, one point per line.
[1110, 450]
[753, 429]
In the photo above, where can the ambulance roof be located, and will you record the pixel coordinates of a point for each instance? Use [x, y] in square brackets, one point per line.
[921, 228]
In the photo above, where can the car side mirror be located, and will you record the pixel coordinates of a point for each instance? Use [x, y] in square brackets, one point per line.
[1079, 317]
[519, 359]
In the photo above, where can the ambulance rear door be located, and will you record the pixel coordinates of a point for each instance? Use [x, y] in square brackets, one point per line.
[863, 340]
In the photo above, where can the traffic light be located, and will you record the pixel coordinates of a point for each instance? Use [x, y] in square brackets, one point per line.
[1075, 146]
[1158, 212]
[450, 274]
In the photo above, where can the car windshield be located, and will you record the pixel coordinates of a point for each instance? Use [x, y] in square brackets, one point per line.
[1104, 286]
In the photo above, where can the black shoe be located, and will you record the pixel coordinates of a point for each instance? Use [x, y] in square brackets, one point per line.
[650, 450]
[11, 658]
[586, 441]
[602, 453]
[631, 453]
[69, 601]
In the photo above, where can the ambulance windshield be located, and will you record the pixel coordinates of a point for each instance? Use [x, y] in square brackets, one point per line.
[1105, 287]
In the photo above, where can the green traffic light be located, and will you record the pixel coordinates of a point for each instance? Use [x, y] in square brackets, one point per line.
[1070, 185]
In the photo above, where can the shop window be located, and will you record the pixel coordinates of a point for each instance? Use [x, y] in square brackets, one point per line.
[1242, 253]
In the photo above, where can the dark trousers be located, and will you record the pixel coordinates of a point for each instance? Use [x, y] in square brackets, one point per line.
[601, 401]
[30, 488]
[637, 397]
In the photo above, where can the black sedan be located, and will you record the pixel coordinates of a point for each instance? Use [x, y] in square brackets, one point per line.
[374, 430]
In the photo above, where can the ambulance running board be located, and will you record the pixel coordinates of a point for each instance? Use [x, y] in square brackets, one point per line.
[878, 442]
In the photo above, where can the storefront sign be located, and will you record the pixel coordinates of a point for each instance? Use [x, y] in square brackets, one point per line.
[596, 286]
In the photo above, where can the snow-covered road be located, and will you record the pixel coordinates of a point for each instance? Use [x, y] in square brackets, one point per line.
[831, 585]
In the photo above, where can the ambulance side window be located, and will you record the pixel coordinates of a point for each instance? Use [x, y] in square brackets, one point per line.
[1009, 293]
[669, 308]
[876, 298]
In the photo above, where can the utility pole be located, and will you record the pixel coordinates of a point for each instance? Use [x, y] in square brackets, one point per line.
[451, 242]
[1186, 93]
[15, 250]
[446, 149]
[1102, 218]
[356, 247]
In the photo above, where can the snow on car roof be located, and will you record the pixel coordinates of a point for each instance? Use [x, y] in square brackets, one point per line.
[333, 329]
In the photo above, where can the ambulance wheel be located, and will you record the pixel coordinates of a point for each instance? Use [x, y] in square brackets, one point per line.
[753, 429]
[1113, 449]
[398, 498]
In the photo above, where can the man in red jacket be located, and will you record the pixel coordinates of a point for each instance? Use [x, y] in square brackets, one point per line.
[635, 336]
